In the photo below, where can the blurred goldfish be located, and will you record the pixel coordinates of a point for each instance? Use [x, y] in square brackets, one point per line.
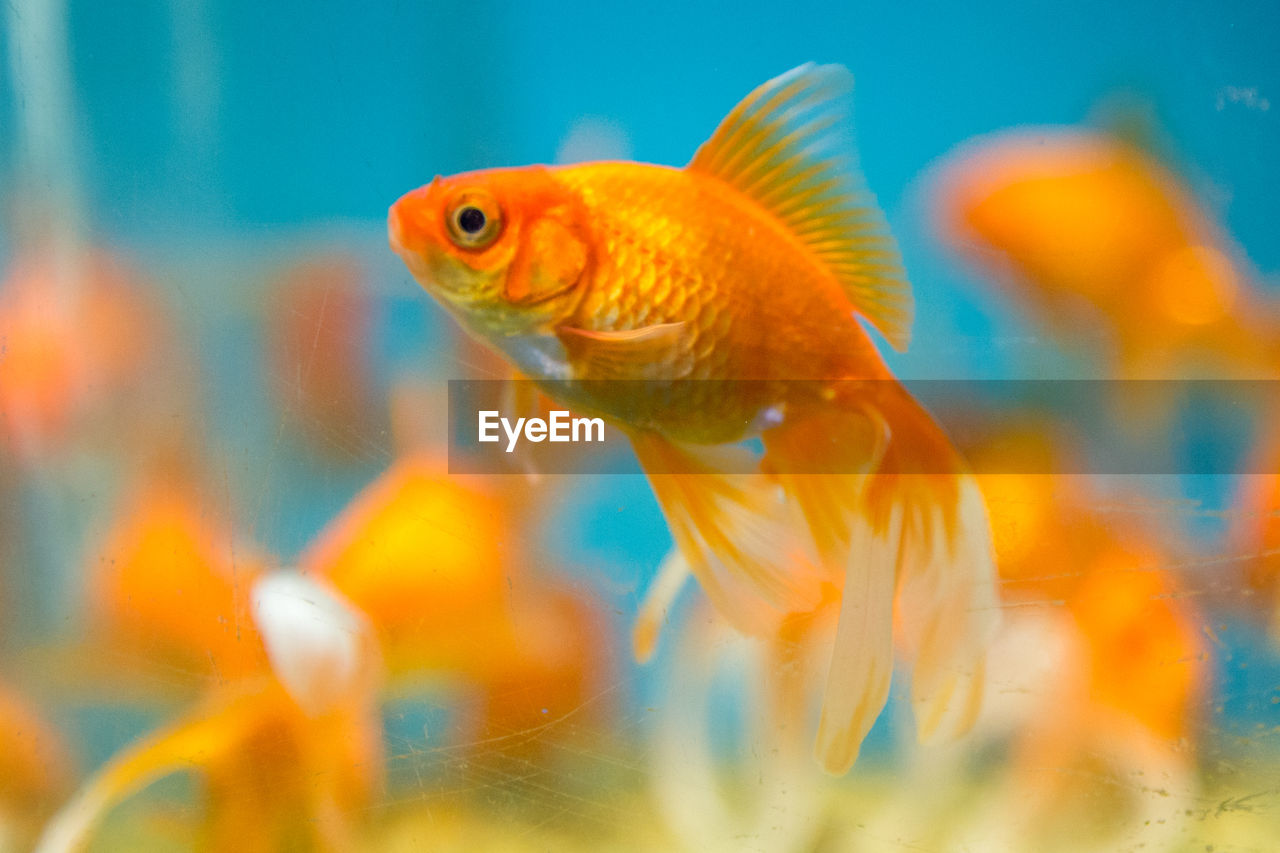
[319, 319]
[1092, 230]
[752, 263]
[169, 587]
[75, 330]
[290, 757]
[438, 569]
[1146, 657]
[1126, 673]
[285, 732]
[1256, 530]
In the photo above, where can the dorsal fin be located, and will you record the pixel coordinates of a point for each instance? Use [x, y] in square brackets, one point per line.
[787, 146]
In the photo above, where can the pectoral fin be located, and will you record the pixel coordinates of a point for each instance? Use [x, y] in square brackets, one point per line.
[649, 352]
[522, 399]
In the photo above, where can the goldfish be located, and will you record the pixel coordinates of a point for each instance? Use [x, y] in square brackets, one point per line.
[410, 581]
[280, 674]
[290, 756]
[77, 331]
[1139, 635]
[1092, 232]
[738, 285]
[319, 317]
[1122, 653]
[434, 565]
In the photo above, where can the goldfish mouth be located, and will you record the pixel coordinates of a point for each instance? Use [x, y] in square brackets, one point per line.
[395, 231]
[399, 239]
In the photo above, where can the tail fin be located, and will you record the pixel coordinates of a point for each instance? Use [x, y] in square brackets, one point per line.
[947, 604]
[191, 743]
[907, 525]
[948, 611]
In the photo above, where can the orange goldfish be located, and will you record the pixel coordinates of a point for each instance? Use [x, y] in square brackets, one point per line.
[1139, 638]
[291, 756]
[1092, 229]
[76, 331]
[286, 734]
[1124, 663]
[423, 557]
[754, 262]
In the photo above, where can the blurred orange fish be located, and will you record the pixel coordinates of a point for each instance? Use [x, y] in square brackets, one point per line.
[319, 317]
[1145, 656]
[74, 330]
[169, 587]
[1102, 671]
[286, 733]
[1256, 530]
[438, 569]
[1088, 222]
[754, 262]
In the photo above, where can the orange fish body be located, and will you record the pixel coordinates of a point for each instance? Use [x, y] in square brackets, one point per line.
[1086, 219]
[424, 557]
[735, 287]
[169, 587]
[755, 302]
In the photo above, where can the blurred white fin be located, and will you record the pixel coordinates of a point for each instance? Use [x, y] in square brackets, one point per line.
[666, 585]
[319, 645]
[949, 611]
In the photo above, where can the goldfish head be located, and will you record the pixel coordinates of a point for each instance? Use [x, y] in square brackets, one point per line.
[503, 249]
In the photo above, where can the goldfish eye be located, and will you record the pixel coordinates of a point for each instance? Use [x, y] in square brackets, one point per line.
[474, 220]
[471, 220]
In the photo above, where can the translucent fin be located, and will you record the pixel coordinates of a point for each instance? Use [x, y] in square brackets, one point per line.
[949, 611]
[788, 147]
[671, 578]
[522, 399]
[862, 658]
[191, 743]
[651, 352]
[743, 541]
